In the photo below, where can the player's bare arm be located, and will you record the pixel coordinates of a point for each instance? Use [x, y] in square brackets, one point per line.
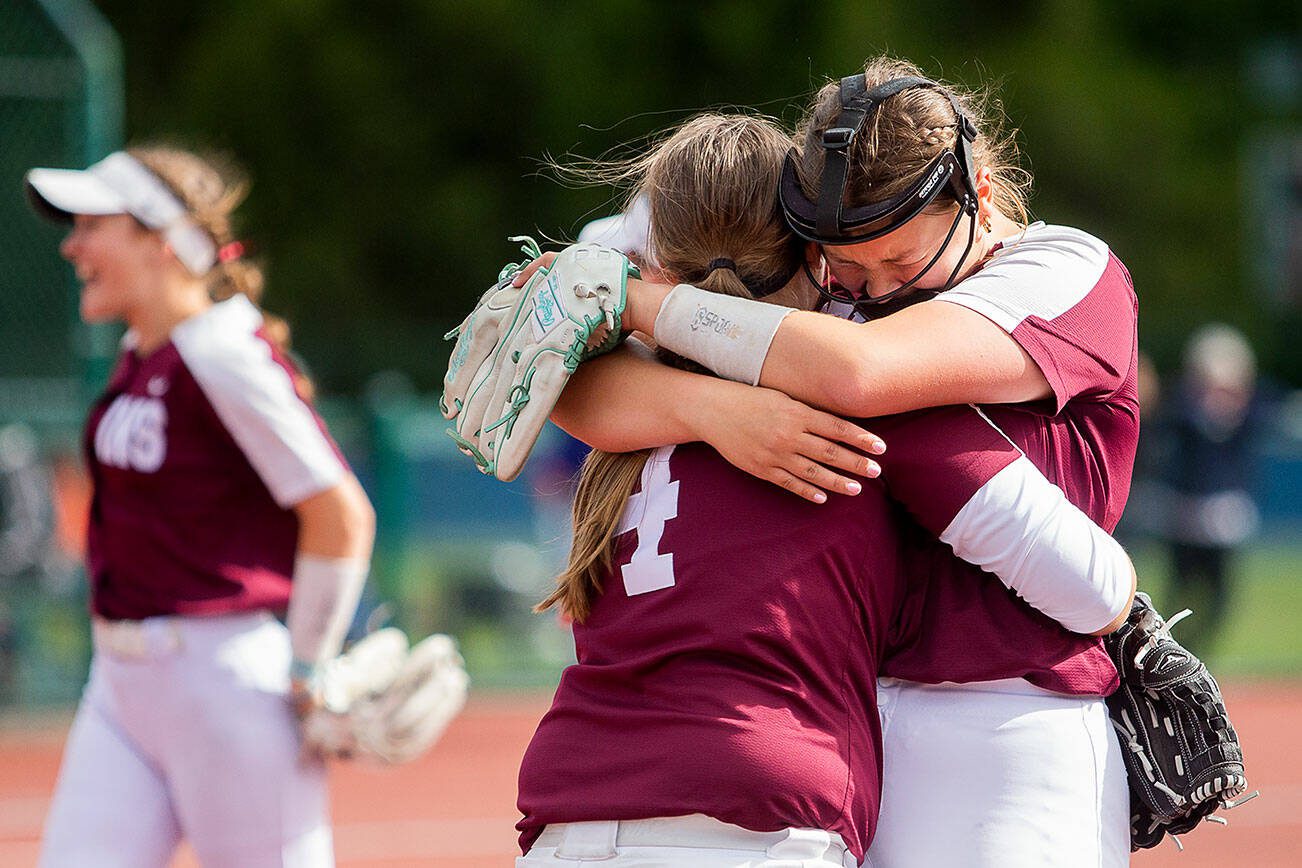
[337, 523]
[929, 355]
[628, 400]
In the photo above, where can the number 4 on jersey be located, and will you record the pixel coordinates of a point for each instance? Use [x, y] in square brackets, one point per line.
[649, 510]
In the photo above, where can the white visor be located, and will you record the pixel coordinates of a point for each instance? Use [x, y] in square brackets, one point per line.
[629, 233]
[120, 184]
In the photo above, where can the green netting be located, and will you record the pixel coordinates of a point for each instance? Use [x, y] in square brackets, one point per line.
[60, 105]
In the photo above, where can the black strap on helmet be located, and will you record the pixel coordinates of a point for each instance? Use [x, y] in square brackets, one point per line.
[827, 221]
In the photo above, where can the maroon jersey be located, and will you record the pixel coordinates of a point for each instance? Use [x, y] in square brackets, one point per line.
[197, 452]
[729, 666]
[1070, 303]
[705, 679]
[732, 620]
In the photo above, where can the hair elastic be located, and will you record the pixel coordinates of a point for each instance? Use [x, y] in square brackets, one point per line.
[757, 289]
[230, 252]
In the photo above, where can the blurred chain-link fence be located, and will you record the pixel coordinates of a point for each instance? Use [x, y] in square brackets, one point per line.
[60, 105]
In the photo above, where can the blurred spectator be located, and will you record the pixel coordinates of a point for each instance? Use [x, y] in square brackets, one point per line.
[1146, 506]
[1149, 385]
[26, 537]
[1212, 427]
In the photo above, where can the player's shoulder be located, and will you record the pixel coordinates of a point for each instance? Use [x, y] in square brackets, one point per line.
[1076, 259]
[226, 338]
[225, 347]
[1043, 272]
[1050, 239]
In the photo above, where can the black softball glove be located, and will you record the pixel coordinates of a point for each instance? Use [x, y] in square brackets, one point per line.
[1182, 755]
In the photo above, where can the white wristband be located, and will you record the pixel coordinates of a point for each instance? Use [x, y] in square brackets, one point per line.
[321, 605]
[729, 335]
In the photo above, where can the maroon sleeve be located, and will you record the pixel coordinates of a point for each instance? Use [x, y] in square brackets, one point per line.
[1086, 351]
[937, 459]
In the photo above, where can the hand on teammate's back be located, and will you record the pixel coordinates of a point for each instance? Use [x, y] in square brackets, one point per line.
[780, 440]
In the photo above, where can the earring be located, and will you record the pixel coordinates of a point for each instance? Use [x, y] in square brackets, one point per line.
[985, 222]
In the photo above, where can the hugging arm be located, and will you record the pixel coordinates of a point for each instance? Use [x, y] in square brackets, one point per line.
[627, 400]
[951, 468]
[966, 483]
[931, 354]
[928, 355]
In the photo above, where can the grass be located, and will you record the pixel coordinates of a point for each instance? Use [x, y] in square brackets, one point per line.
[506, 646]
[1262, 633]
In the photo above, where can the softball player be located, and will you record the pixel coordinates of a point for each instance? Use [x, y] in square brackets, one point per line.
[686, 684]
[1038, 319]
[219, 500]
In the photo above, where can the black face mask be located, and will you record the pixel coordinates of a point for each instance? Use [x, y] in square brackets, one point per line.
[830, 290]
[827, 221]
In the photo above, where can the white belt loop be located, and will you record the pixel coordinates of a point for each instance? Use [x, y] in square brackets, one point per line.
[592, 841]
[804, 844]
[164, 636]
[137, 640]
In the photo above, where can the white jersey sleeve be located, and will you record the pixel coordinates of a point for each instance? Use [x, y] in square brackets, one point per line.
[253, 395]
[1061, 294]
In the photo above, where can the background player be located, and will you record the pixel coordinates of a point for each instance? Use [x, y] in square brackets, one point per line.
[738, 602]
[219, 500]
[1041, 319]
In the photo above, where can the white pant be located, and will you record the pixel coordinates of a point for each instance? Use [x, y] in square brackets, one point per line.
[999, 773]
[183, 732]
[693, 841]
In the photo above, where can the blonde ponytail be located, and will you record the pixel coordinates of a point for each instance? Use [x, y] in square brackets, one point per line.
[605, 484]
[712, 190]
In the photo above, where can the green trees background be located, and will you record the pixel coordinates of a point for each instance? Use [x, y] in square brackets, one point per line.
[394, 144]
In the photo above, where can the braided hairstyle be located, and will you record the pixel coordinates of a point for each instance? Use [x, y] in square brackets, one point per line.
[905, 134]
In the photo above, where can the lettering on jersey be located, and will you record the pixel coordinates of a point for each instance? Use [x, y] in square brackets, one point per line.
[132, 435]
[708, 319]
[547, 308]
[648, 570]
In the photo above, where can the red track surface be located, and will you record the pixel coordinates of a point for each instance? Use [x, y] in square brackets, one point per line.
[456, 807]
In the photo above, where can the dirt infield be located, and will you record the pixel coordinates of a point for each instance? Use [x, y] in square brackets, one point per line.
[456, 807]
